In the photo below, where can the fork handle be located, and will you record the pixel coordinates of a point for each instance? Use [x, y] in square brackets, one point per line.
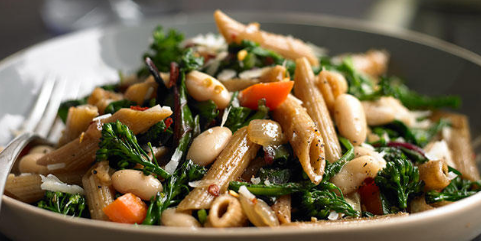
[10, 154]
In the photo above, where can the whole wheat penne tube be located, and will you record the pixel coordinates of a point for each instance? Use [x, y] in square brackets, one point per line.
[374, 62]
[140, 92]
[459, 142]
[347, 221]
[305, 90]
[286, 46]
[26, 187]
[304, 137]
[78, 120]
[282, 208]
[102, 98]
[228, 166]
[99, 191]
[80, 153]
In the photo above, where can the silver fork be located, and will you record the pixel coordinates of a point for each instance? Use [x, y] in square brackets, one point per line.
[36, 128]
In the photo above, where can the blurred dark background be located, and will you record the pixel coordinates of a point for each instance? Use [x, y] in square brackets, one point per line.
[26, 22]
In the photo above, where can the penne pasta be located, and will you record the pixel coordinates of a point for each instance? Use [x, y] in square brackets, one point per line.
[303, 136]
[288, 47]
[102, 98]
[78, 120]
[98, 189]
[282, 208]
[80, 153]
[459, 142]
[26, 187]
[313, 101]
[140, 92]
[228, 166]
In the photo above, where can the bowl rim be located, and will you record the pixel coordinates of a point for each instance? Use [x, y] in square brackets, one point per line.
[320, 20]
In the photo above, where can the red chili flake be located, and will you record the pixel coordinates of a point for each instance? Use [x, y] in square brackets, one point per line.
[233, 36]
[254, 201]
[214, 190]
[139, 108]
[168, 122]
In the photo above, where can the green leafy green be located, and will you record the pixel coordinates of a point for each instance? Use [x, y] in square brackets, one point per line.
[207, 111]
[416, 136]
[189, 62]
[119, 145]
[320, 203]
[164, 49]
[64, 203]
[256, 57]
[158, 133]
[332, 169]
[117, 105]
[241, 116]
[394, 86]
[175, 189]
[457, 189]
[400, 181]
[65, 106]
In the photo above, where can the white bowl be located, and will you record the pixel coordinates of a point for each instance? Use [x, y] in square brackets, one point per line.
[92, 57]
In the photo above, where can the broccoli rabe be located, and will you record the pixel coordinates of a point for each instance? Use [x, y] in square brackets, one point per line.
[393, 86]
[364, 88]
[64, 203]
[119, 145]
[399, 181]
[416, 136]
[255, 57]
[175, 189]
[161, 133]
[320, 203]
[241, 116]
[332, 169]
[457, 189]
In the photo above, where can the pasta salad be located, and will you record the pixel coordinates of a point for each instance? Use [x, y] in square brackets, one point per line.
[251, 128]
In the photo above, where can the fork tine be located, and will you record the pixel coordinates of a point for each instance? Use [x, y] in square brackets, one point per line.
[39, 107]
[50, 113]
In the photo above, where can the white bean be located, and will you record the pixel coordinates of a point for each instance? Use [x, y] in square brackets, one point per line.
[351, 176]
[350, 118]
[134, 181]
[176, 219]
[204, 87]
[41, 149]
[28, 164]
[208, 145]
[364, 151]
[386, 110]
